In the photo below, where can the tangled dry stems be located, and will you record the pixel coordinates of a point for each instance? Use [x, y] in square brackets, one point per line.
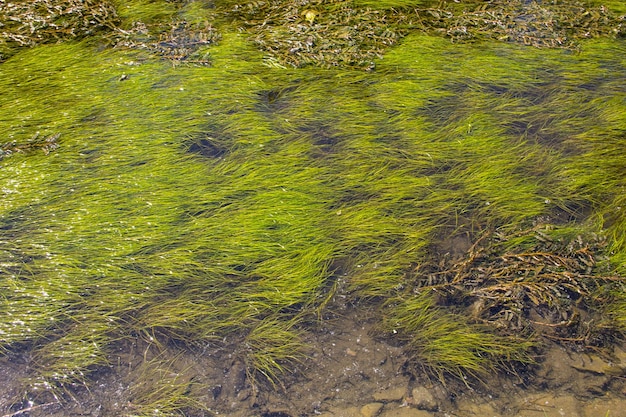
[548, 285]
[326, 33]
[46, 144]
[331, 33]
[31, 22]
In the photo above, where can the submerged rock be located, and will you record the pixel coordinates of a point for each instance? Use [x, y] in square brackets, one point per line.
[371, 409]
[390, 394]
[423, 399]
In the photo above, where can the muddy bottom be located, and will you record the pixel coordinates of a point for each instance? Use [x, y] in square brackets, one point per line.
[348, 373]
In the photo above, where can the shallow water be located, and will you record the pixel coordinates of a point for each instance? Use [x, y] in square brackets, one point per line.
[244, 238]
[348, 373]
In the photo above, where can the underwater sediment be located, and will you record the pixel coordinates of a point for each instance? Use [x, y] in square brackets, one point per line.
[468, 195]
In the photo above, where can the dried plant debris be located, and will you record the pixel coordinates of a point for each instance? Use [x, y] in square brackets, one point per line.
[540, 281]
[178, 41]
[46, 144]
[32, 22]
[331, 33]
[327, 33]
[534, 23]
[29, 23]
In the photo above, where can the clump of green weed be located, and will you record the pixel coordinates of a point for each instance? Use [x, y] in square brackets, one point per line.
[272, 348]
[160, 387]
[446, 343]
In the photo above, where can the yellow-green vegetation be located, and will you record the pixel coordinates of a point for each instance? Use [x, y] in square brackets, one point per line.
[162, 388]
[446, 344]
[223, 204]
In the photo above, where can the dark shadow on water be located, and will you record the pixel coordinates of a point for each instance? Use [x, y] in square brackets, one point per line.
[275, 99]
[212, 142]
[207, 147]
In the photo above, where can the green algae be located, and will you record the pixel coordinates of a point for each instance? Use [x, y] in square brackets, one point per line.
[209, 203]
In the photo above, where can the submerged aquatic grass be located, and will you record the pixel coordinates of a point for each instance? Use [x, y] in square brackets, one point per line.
[447, 343]
[161, 387]
[223, 204]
